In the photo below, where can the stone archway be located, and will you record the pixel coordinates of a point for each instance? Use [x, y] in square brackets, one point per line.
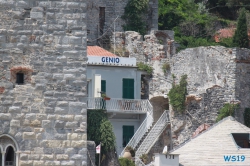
[160, 104]
[9, 149]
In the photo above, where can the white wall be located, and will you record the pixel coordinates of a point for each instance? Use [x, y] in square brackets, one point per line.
[166, 160]
[117, 128]
[113, 76]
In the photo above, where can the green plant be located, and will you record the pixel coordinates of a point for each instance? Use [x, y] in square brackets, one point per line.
[100, 130]
[247, 117]
[166, 67]
[177, 94]
[131, 150]
[240, 38]
[107, 136]
[144, 158]
[145, 67]
[227, 110]
[134, 16]
[126, 162]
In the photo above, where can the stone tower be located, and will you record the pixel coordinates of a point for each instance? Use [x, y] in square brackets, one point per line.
[43, 83]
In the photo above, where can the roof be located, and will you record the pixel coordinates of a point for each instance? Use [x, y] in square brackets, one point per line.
[224, 33]
[98, 51]
[209, 148]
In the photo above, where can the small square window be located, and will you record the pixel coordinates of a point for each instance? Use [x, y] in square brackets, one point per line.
[19, 78]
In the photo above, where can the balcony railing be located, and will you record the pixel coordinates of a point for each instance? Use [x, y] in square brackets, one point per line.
[120, 105]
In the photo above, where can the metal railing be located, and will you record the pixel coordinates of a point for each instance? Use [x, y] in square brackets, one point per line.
[153, 135]
[140, 132]
[125, 105]
[9, 163]
[138, 162]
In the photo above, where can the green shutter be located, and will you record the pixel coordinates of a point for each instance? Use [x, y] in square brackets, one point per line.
[103, 86]
[128, 133]
[128, 88]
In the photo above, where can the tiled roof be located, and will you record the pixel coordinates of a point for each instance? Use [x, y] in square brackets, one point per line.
[209, 147]
[98, 51]
[224, 33]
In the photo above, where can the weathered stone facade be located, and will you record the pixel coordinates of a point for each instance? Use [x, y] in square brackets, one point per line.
[105, 15]
[43, 118]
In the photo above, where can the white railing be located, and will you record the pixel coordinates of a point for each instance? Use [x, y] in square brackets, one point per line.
[153, 135]
[125, 105]
[138, 162]
[140, 132]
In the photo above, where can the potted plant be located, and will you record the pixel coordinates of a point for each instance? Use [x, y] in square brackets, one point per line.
[105, 97]
[129, 152]
[144, 158]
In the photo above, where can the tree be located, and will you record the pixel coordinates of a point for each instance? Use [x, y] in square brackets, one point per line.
[134, 16]
[240, 38]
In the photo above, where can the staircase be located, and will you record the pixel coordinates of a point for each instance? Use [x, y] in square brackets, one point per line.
[153, 135]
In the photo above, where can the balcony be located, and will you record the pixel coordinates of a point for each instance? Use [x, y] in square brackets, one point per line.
[120, 105]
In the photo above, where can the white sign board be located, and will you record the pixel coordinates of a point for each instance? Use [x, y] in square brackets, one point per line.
[111, 61]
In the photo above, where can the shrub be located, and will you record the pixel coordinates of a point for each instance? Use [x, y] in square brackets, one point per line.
[177, 94]
[145, 67]
[227, 110]
[166, 67]
[126, 162]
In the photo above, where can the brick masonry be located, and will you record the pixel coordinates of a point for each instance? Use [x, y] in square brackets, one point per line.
[45, 118]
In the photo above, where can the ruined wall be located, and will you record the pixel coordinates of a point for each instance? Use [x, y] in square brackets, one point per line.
[46, 115]
[114, 9]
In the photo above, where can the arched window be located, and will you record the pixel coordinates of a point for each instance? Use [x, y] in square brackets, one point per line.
[10, 157]
[8, 149]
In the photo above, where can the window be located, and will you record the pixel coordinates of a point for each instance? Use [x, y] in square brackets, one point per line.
[10, 157]
[242, 139]
[128, 88]
[19, 78]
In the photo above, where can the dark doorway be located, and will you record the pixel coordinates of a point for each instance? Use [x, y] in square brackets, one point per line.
[19, 78]
[10, 157]
[127, 132]
[102, 19]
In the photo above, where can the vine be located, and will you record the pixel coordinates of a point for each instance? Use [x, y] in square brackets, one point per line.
[177, 94]
[227, 110]
[134, 16]
[247, 117]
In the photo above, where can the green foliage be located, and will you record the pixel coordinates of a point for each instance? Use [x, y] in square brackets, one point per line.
[166, 67]
[100, 130]
[190, 41]
[177, 94]
[240, 38]
[227, 42]
[107, 136]
[126, 162]
[134, 16]
[247, 117]
[227, 110]
[144, 158]
[145, 67]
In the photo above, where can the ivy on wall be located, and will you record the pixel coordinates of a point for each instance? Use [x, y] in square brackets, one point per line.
[247, 117]
[145, 67]
[177, 94]
[227, 110]
[134, 16]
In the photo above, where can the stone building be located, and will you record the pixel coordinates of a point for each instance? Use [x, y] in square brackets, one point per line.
[43, 83]
[104, 17]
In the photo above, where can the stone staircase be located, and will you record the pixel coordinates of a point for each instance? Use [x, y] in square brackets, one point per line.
[153, 135]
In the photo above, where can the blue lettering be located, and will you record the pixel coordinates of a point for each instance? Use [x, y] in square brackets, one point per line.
[107, 59]
[111, 60]
[238, 157]
[103, 59]
[233, 158]
[227, 158]
[242, 158]
[117, 60]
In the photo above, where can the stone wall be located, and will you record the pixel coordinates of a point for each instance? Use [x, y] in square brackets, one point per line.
[45, 117]
[114, 9]
[91, 153]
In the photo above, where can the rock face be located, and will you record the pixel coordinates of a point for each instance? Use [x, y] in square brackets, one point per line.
[43, 82]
